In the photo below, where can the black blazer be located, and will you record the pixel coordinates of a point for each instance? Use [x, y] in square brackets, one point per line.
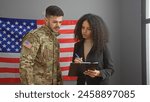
[105, 65]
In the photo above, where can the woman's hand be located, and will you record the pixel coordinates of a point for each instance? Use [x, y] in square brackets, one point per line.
[78, 60]
[93, 73]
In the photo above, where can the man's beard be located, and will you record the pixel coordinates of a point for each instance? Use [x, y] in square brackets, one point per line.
[57, 27]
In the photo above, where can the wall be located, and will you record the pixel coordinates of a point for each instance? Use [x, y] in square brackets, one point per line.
[131, 58]
[109, 10]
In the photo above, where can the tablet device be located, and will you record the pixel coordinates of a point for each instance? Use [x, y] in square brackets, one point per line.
[76, 67]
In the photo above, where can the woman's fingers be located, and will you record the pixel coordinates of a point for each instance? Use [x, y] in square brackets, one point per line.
[92, 73]
[78, 60]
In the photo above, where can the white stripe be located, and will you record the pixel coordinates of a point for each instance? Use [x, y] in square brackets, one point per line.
[66, 45]
[64, 27]
[38, 26]
[9, 65]
[65, 72]
[16, 65]
[64, 64]
[9, 75]
[66, 54]
[61, 36]
[10, 55]
[17, 75]
[17, 55]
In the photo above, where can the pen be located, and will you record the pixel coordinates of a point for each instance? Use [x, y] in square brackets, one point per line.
[77, 55]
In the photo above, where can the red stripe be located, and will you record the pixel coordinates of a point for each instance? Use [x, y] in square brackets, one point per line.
[17, 80]
[69, 22]
[67, 40]
[65, 22]
[69, 78]
[40, 22]
[66, 49]
[16, 70]
[64, 68]
[10, 80]
[70, 31]
[65, 59]
[10, 60]
[9, 70]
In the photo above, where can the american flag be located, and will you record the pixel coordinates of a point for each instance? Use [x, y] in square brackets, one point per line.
[11, 32]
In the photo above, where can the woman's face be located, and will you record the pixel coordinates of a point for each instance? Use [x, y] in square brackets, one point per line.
[86, 30]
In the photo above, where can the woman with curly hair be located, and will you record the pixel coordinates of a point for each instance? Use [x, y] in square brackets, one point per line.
[92, 36]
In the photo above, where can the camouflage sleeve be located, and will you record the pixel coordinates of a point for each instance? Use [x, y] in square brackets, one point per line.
[30, 46]
[60, 78]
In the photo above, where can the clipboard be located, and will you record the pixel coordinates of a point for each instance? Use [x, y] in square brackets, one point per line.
[76, 67]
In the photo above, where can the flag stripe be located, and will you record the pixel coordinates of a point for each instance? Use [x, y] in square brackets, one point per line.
[17, 80]
[17, 60]
[65, 68]
[70, 49]
[9, 65]
[65, 22]
[13, 67]
[69, 22]
[66, 45]
[16, 70]
[66, 54]
[9, 75]
[40, 22]
[10, 80]
[65, 59]
[64, 64]
[17, 55]
[69, 78]
[65, 36]
[10, 55]
[12, 60]
[9, 70]
[63, 27]
[65, 72]
[70, 31]
[65, 40]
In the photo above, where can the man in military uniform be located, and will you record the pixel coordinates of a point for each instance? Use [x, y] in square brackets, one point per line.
[39, 61]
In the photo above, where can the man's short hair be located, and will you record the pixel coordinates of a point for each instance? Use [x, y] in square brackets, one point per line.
[54, 11]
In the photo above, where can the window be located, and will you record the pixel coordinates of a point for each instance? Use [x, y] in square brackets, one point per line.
[146, 41]
[147, 9]
[148, 52]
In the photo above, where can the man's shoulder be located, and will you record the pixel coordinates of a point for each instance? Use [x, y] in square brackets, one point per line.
[37, 32]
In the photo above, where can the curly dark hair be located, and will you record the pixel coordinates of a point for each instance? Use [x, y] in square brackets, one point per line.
[98, 30]
[54, 11]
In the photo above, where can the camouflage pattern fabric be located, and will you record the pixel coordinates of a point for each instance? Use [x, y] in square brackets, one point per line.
[39, 59]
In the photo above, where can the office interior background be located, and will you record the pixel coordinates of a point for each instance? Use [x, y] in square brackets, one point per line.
[128, 31]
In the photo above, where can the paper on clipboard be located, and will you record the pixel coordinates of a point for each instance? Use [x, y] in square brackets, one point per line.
[75, 67]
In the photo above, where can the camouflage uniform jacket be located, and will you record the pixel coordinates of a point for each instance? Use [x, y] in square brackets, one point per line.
[39, 59]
